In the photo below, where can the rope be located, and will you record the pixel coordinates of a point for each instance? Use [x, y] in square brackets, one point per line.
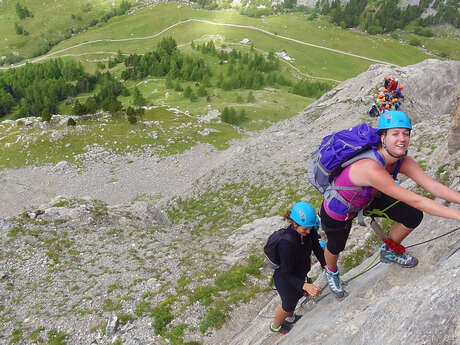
[381, 213]
[434, 238]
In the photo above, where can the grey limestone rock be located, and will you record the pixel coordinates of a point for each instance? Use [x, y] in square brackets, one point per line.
[454, 131]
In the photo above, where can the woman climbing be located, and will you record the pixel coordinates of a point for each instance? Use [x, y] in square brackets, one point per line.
[404, 207]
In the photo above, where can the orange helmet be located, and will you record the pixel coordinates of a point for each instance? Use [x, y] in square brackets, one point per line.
[387, 77]
[387, 106]
[385, 90]
[401, 87]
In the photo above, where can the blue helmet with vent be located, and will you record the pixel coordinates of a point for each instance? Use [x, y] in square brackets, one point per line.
[304, 214]
[394, 119]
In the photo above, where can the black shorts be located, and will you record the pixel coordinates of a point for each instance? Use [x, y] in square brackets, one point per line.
[338, 231]
[289, 295]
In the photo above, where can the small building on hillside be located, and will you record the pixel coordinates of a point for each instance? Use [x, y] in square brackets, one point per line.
[245, 41]
[285, 56]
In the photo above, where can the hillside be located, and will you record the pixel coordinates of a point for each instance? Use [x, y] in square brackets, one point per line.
[171, 245]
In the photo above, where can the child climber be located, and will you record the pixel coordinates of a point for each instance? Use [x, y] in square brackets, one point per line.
[294, 251]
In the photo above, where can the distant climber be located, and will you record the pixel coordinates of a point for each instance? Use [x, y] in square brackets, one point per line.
[399, 92]
[387, 82]
[402, 206]
[294, 250]
[393, 85]
[386, 94]
[374, 110]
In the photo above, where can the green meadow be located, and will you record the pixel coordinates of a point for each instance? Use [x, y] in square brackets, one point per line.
[50, 21]
[160, 131]
[140, 31]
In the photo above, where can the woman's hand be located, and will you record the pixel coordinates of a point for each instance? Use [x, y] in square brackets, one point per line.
[311, 289]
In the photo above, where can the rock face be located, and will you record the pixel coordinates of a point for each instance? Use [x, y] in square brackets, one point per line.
[429, 87]
[387, 305]
[454, 131]
[422, 100]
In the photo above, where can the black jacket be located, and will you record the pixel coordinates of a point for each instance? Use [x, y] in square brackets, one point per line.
[294, 253]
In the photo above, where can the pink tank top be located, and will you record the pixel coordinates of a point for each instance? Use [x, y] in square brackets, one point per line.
[358, 199]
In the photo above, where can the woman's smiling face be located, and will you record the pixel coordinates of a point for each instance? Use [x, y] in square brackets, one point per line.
[397, 140]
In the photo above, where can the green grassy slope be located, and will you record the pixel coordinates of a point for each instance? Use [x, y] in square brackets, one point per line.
[51, 21]
[151, 21]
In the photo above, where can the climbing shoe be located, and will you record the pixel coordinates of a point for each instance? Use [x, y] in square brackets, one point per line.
[283, 329]
[405, 260]
[335, 285]
[292, 319]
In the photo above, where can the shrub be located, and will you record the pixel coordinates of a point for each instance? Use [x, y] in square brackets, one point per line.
[112, 63]
[203, 294]
[22, 11]
[46, 115]
[374, 30]
[414, 41]
[312, 16]
[143, 307]
[214, 318]
[307, 88]
[125, 318]
[19, 29]
[71, 122]
[169, 83]
[229, 115]
[138, 97]
[163, 315]
[178, 87]
[110, 305]
[132, 119]
[187, 92]
[57, 338]
[443, 54]
[202, 91]
[233, 278]
[423, 31]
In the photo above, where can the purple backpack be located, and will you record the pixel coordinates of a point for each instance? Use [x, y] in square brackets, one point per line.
[337, 151]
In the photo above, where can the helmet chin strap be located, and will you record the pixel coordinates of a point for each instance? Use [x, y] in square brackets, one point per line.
[392, 155]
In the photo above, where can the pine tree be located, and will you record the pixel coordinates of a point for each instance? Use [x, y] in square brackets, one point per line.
[139, 99]
[46, 115]
[71, 122]
[187, 92]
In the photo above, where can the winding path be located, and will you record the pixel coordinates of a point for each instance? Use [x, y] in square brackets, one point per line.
[50, 55]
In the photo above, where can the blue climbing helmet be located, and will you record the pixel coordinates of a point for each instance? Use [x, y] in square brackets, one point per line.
[304, 214]
[394, 119]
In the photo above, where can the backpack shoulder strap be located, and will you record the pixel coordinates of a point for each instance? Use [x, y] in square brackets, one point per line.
[397, 168]
[371, 153]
